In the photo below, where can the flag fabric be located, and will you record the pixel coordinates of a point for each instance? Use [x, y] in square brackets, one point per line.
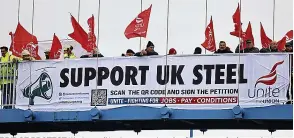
[281, 44]
[247, 36]
[79, 35]
[289, 35]
[23, 40]
[209, 43]
[139, 26]
[91, 34]
[237, 23]
[56, 48]
[265, 41]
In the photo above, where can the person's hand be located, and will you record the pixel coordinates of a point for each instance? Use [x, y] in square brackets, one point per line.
[14, 60]
[144, 52]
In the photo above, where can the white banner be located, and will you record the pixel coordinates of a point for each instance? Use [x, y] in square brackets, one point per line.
[192, 82]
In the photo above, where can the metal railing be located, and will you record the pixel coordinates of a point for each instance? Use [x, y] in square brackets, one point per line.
[9, 75]
[8, 79]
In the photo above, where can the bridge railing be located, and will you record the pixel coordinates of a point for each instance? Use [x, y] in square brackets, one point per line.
[180, 81]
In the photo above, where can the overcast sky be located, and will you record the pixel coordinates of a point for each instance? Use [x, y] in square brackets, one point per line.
[186, 31]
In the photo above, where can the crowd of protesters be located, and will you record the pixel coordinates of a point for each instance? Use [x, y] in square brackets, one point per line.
[149, 51]
[223, 48]
[7, 70]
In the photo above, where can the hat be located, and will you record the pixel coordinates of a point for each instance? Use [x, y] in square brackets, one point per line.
[25, 53]
[172, 51]
[66, 47]
[248, 41]
[197, 50]
[130, 51]
[149, 44]
[46, 51]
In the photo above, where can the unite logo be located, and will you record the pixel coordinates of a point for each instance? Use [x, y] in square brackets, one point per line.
[139, 24]
[210, 39]
[266, 94]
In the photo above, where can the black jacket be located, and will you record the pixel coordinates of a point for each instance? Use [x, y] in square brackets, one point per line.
[227, 50]
[247, 50]
[266, 50]
[289, 51]
[251, 50]
[148, 54]
[95, 55]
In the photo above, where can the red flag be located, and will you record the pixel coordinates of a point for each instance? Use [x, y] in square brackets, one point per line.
[91, 34]
[283, 41]
[247, 36]
[79, 34]
[139, 26]
[281, 44]
[209, 42]
[55, 48]
[265, 41]
[23, 40]
[289, 35]
[237, 23]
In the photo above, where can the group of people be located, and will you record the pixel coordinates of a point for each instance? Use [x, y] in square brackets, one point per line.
[7, 72]
[223, 48]
[149, 50]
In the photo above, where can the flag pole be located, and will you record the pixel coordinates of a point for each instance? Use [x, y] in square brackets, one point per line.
[274, 12]
[239, 58]
[33, 14]
[18, 11]
[140, 46]
[167, 28]
[98, 23]
[79, 9]
[33, 17]
[205, 18]
[30, 50]
[240, 29]
[98, 36]
[166, 48]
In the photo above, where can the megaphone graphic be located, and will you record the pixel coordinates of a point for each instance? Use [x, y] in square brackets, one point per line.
[42, 87]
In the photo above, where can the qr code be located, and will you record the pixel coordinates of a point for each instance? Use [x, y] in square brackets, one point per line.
[99, 97]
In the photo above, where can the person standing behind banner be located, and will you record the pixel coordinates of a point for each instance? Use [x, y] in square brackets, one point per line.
[68, 53]
[172, 51]
[223, 48]
[7, 75]
[149, 51]
[197, 50]
[26, 56]
[47, 53]
[289, 47]
[95, 53]
[250, 48]
[129, 53]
